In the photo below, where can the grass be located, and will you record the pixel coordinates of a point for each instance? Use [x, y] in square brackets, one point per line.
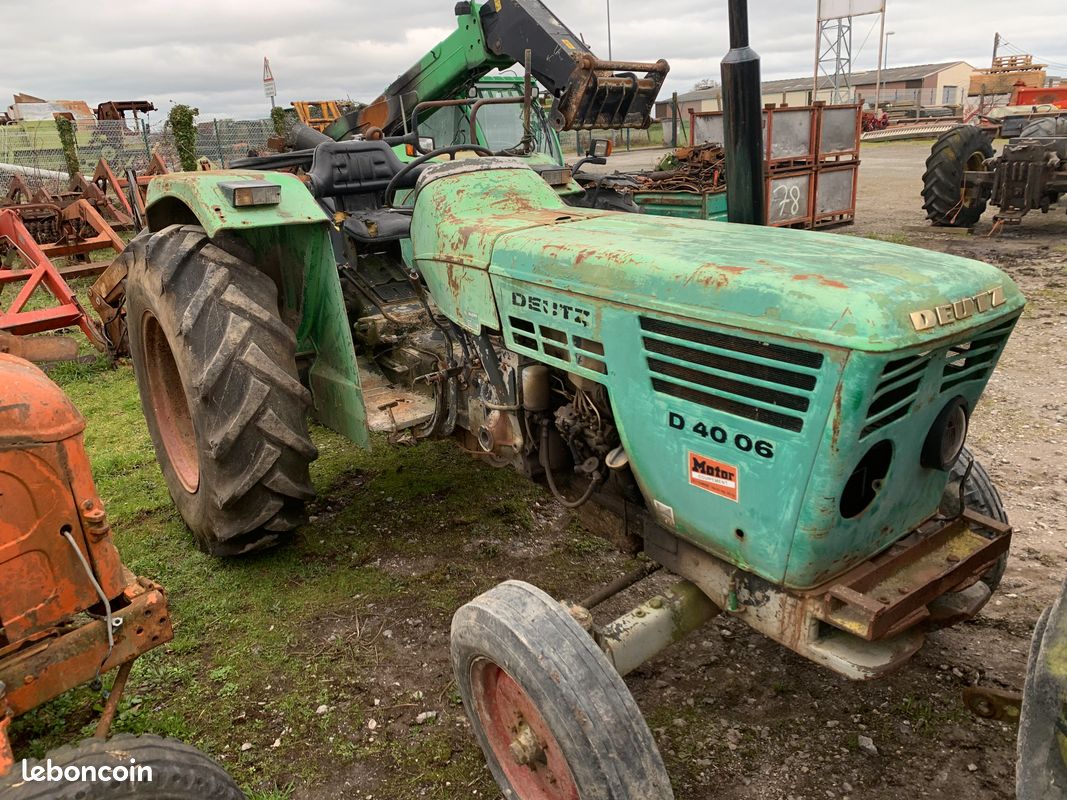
[355, 610]
[892, 238]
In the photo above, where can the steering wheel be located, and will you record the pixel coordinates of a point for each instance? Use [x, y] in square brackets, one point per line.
[451, 150]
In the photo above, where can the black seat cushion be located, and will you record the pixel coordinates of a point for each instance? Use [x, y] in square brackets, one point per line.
[379, 225]
[340, 169]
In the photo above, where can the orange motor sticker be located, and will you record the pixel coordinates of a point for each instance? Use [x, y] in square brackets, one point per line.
[713, 476]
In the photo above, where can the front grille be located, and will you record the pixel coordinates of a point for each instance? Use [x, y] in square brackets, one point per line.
[973, 360]
[901, 379]
[896, 392]
[758, 380]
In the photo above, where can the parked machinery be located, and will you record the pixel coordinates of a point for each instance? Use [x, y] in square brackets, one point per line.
[963, 176]
[70, 611]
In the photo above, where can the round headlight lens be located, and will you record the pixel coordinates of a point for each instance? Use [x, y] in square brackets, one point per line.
[947, 435]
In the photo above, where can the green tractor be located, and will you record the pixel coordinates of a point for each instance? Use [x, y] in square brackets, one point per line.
[782, 415]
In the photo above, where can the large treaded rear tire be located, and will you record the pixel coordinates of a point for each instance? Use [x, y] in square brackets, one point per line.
[179, 772]
[943, 180]
[216, 370]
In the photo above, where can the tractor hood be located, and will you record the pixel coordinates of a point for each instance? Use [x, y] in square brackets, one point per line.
[839, 290]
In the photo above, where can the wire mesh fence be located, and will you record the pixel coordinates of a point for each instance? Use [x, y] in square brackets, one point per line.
[32, 149]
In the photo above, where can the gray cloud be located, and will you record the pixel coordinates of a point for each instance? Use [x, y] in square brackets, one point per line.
[209, 54]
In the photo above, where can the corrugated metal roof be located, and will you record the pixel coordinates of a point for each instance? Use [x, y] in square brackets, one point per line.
[866, 78]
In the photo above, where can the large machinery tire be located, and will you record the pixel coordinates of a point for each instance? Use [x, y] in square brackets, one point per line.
[1041, 769]
[179, 772]
[1046, 127]
[957, 151]
[553, 717]
[216, 370]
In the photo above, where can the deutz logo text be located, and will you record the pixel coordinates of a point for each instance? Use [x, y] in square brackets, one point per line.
[958, 311]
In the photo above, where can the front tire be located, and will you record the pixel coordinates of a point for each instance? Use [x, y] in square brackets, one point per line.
[216, 370]
[553, 717]
[957, 151]
[179, 772]
[980, 494]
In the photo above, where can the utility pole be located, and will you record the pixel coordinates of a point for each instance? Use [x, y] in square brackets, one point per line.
[996, 48]
[881, 60]
[609, 29]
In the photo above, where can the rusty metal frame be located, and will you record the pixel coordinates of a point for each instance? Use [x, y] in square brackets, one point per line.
[868, 638]
[839, 156]
[806, 218]
[772, 163]
[18, 192]
[41, 274]
[70, 243]
[837, 216]
[41, 668]
[873, 602]
[44, 668]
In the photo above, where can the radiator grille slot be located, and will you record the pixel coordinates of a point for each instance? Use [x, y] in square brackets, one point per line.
[973, 361]
[558, 344]
[724, 341]
[731, 373]
[896, 392]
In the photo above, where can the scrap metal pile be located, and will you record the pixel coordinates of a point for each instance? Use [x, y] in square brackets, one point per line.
[699, 169]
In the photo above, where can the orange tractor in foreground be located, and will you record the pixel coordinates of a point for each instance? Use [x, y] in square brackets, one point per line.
[70, 611]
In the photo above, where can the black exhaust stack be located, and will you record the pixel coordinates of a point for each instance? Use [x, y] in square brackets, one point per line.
[743, 122]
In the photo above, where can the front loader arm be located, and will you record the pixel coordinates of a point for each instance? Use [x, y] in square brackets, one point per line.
[587, 93]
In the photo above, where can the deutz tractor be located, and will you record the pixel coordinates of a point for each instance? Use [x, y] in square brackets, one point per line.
[781, 415]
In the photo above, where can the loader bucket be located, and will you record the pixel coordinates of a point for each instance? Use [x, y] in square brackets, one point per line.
[609, 94]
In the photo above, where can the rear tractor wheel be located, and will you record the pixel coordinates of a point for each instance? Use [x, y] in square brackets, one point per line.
[553, 717]
[216, 370]
[962, 149]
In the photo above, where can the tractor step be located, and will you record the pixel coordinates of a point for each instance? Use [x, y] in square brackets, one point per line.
[892, 592]
[391, 408]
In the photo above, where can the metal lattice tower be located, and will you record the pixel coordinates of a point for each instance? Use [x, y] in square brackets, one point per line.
[833, 65]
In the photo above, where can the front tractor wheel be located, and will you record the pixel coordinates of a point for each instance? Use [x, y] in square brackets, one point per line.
[553, 717]
[980, 494]
[947, 203]
[216, 370]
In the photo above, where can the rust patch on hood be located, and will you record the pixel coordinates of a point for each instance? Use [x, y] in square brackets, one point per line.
[822, 279]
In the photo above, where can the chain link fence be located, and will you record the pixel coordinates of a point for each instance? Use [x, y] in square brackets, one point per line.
[33, 149]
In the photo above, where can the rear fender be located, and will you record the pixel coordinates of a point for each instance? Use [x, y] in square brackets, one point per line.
[291, 243]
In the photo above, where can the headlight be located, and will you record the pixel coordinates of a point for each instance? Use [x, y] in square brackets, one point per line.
[252, 193]
[947, 436]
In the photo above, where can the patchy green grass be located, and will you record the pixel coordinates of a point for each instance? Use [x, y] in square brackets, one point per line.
[893, 238]
[303, 669]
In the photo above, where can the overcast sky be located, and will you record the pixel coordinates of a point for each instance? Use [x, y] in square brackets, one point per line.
[210, 54]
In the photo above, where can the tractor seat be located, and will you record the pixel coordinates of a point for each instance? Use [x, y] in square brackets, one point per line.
[373, 226]
[353, 167]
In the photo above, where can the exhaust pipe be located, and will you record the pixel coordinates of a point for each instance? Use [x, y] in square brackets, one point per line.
[743, 123]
